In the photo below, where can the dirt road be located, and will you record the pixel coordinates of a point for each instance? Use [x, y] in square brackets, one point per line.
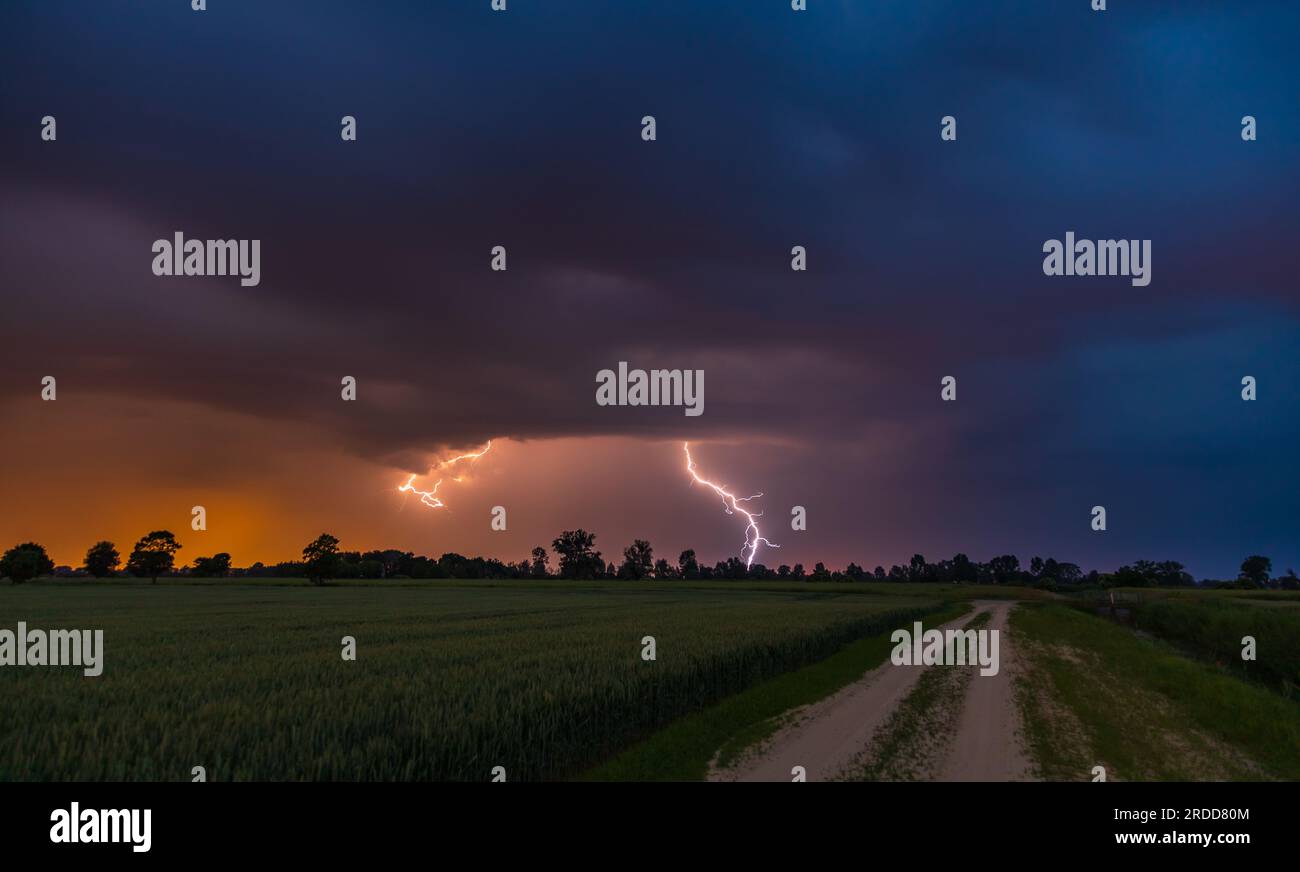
[827, 737]
[985, 746]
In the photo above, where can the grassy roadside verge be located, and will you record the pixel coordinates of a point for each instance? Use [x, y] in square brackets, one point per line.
[682, 750]
[1094, 693]
[1213, 629]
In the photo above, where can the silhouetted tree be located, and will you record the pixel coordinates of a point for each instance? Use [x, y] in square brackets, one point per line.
[578, 558]
[153, 555]
[24, 562]
[321, 559]
[1005, 569]
[215, 566]
[1256, 569]
[687, 566]
[734, 569]
[391, 562]
[1148, 573]
[540, 559]
[1069, 573]
[638, 560]
[1169, 573]
[102, 559]
[963, 570]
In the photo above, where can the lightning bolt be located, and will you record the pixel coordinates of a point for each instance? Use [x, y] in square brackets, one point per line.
[731, 503]
[430, 497]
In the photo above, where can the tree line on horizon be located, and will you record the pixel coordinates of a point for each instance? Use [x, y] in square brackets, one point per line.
[153, 556]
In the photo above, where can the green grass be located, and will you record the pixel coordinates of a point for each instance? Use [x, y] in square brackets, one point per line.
[683, 750]
[452, 678]
[1214, 629]
[1095, 693]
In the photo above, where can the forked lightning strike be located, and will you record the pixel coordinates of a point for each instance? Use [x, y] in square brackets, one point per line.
[730, 503]
[430, 497]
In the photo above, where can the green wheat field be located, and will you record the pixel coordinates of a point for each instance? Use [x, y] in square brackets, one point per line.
[546, 679]
[450, 679]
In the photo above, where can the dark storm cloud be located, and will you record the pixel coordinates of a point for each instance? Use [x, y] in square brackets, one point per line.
[775, 129]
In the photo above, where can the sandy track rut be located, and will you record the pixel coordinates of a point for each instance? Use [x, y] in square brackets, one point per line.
[986, 746]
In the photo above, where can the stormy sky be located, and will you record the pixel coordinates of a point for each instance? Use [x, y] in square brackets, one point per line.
[775, 129]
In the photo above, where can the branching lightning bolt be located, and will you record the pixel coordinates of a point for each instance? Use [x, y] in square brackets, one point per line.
[731, 503]
[430, 497]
